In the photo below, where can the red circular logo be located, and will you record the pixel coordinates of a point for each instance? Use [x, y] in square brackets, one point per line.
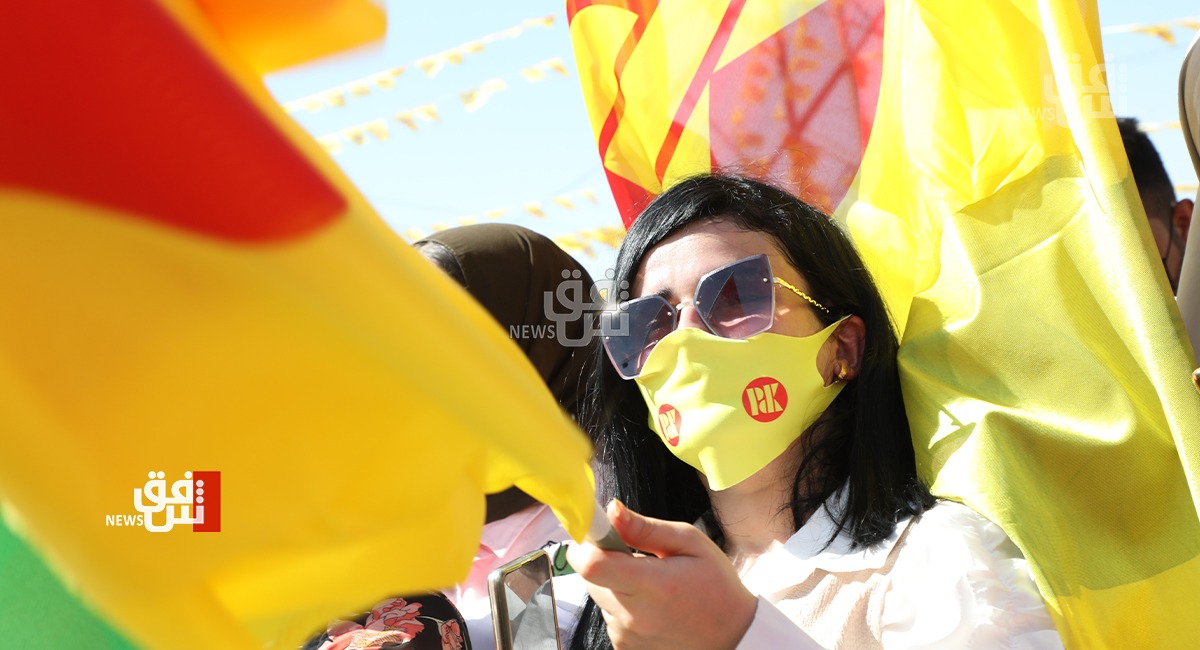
[669, 422]
[764, 399]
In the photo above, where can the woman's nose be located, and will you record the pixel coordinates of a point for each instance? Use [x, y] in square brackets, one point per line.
[689, 317]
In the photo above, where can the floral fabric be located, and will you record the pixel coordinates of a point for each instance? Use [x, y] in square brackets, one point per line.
[399, 623]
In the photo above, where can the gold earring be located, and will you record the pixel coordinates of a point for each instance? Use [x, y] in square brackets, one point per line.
[842, 371]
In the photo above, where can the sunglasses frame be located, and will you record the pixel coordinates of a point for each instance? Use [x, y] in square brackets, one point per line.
[607, 333]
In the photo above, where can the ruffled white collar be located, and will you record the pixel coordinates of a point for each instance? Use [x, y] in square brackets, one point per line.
[806, 551]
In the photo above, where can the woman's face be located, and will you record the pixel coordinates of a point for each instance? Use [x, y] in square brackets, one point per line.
[675, 265]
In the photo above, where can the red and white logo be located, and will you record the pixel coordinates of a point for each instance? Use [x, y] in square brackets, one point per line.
[669, 422]
[195, 499]
[764, 399]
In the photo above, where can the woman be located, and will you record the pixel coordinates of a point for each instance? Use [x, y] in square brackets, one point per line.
[540, 295]
[753, 387]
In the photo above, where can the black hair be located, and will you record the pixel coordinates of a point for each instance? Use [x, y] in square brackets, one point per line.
[1153, 183]
[862, 441]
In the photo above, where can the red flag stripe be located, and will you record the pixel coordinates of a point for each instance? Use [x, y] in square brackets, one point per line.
[850, 63]
[134, 115]
[696, 88]
[644, 11]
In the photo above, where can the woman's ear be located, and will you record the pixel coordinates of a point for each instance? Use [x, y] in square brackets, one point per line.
[1181, 217]
[848, 341]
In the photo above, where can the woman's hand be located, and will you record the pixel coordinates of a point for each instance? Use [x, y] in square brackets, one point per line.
[685, 595]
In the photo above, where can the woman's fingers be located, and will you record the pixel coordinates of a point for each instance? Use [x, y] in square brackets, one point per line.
[625, 573]
[662, 538]
[686, 595]
[627, 577]
[609, 569]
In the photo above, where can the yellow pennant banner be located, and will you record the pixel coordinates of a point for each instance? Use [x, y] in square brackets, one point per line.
[472, 100]
[1164, 31]
[337, 96]
[537, 209]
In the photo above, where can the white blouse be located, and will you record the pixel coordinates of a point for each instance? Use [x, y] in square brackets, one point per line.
[947, 579]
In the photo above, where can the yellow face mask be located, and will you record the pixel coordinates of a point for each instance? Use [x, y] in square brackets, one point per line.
[728, 407]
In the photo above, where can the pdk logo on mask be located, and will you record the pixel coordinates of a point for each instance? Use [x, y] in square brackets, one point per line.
[764, 399]
[669, 422]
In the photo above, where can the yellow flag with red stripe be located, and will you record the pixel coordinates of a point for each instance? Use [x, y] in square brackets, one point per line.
[195, 297]
[674, 88]
[1045, 369]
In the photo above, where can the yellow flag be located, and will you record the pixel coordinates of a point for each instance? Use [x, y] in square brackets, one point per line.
[212, 318]
[271, 34]
[1045, 368]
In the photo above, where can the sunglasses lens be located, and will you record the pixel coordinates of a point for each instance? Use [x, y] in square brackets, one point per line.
[630, 333]
[738, 301]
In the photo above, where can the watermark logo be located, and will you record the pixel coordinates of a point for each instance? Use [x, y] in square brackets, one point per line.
[764, 399]
[1103, 93]
[194, 499]
[571, 301]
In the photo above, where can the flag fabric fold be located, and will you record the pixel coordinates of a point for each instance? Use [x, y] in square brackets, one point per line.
[1045, 368]
[193, 288]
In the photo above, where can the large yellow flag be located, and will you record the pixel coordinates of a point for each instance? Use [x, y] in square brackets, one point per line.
[1046, 372]
[1045, 367]
[199, 313]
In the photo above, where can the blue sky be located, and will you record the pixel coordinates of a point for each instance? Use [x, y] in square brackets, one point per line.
[531, 142]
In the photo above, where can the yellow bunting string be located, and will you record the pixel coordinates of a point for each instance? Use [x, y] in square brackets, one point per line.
[355, 134]
[608, 237]
[539, 71]
[332, 144]
[581, 242]
[472, 100]
[475, 98]
[379, 129]
[406, 118]
[1151, 127]
[535, 208]
[1163, 31]
[335, 97]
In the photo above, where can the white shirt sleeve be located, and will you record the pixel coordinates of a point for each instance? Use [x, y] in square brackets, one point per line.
[772, 629]
[960, 582]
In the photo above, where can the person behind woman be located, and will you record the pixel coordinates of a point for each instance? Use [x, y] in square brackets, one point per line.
[523, 280]
[754, 388]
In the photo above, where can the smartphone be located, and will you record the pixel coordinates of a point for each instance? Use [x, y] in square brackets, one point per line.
[523, 614]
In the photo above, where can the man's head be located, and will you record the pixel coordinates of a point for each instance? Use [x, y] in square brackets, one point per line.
[1169, 219]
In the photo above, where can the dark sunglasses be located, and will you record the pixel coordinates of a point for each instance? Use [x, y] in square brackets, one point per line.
[735, 301]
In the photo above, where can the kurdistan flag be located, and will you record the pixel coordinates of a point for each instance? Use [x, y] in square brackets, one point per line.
[195, 297]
